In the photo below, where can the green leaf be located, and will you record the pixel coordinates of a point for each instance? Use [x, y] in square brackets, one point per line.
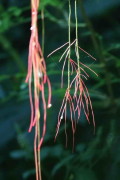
[84, 174]
[62, 163]
[17, 154]
[55, 3]
[51, 151]
[27, 174]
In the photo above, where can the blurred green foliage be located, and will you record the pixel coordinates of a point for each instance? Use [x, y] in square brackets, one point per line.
[96, 156]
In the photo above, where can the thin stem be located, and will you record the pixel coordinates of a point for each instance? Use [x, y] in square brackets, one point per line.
[76, 45]
[37, 136]
[38, 152]
[43, 30]
[69, 39]
[35, 154]
[38, 140]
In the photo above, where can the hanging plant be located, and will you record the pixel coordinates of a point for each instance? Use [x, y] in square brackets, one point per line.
[73, 103]
[80, 99]
[37, 76]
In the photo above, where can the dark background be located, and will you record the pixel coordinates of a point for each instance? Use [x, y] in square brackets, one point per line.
[96, 156]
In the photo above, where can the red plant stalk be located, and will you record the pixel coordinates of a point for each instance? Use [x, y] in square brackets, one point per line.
[37, 74]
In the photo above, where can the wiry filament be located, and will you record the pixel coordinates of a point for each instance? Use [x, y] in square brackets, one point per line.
[87, 53]
[37, 76]
[80, 99]
[67, 100]
[57, 49]
[36, 71]
[81, 88]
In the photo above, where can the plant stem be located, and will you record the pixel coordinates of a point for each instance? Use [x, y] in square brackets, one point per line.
[76, 45]
[38, 152]
[43, 30]
[69, 39]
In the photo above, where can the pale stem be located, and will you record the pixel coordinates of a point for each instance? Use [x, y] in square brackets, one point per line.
[69, 39]
[43, 30]
[76, 46]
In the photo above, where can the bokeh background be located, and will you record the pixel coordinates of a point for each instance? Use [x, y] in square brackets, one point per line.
[96, 156]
